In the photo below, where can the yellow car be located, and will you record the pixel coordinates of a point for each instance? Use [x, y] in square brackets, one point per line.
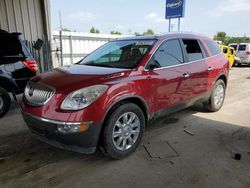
[229, 52]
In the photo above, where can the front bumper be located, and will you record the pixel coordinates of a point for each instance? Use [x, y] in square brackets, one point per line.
[46, 130]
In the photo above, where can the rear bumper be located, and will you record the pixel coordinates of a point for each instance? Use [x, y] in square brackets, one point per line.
[244, 60]
[46, 130]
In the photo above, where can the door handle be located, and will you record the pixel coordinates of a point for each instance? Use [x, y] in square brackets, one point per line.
[210, 68]
[186, 75]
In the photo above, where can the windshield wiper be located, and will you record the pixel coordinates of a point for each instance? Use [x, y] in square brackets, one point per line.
[100, 65]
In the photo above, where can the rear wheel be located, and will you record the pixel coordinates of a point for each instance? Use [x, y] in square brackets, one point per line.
[123, 131]
[5, 102]
[217, 97]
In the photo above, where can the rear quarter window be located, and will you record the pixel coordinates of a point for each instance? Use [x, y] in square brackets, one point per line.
[213, 47]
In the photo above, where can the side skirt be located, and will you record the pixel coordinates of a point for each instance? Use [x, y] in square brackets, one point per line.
[180, 106]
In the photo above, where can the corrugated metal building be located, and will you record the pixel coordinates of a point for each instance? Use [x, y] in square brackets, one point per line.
[32, 19]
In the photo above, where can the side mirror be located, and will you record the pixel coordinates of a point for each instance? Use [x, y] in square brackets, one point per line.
[153, 64]
[38, 45]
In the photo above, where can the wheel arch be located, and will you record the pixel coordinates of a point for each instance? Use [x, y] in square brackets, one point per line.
[139, 101]
[7, 84]
[224, 78]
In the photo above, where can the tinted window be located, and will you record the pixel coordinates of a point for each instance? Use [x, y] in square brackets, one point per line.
[234, 46]
[231, 51]
[193, 49]
[242, 47]
[169, 54]
[224, 50]
[213, 47]
[10, 45]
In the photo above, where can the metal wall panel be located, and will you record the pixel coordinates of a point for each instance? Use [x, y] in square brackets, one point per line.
[3, 15]
[25, 16]
[25, 20]
[10, 15]
[18, 16]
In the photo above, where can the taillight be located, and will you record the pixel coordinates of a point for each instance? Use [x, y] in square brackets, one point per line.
[248, 53]
[31, 64]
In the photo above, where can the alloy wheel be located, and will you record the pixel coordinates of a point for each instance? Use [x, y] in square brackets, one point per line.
[1, 102]
[126, 131]
[219, 95]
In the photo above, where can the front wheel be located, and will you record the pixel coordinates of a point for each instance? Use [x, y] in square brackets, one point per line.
[5, 102]
[123, 131]
[217, 97]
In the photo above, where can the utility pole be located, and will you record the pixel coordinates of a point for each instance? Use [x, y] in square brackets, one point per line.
[172, 27]
[179, 24]
[60, 35]
[169, 25]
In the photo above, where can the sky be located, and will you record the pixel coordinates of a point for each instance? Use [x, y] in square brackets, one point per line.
[129, 16]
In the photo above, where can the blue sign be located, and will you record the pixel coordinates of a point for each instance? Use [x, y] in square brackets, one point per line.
[175, 9]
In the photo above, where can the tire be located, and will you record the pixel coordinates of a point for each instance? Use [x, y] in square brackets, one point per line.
[5, 102]
[121, 135]
[217, 97]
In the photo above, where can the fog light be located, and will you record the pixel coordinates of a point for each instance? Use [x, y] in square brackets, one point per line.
[72, 128]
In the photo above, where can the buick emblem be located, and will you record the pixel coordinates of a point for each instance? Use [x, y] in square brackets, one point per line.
[31, 91]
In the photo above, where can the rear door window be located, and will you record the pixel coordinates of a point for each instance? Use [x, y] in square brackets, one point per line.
[193, 49]
[169, 54]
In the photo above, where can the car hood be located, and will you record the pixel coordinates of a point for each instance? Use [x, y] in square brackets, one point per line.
[72, 77]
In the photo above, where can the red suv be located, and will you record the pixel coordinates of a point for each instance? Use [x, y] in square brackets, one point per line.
[108, 97]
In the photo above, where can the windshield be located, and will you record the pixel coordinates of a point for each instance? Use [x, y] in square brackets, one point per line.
[234, 46]
[119, 54]
[242, 47]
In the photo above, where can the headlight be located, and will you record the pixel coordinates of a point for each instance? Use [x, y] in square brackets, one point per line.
[83, 97]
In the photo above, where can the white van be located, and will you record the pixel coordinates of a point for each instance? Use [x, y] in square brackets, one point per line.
[242, 51]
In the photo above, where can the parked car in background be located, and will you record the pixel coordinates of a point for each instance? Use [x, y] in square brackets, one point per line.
[108, 97]
[243, 52]
[17, 66]
[237, 61]
[229, 53]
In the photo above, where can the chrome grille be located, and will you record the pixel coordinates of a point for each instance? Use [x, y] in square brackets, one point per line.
[37, 94]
